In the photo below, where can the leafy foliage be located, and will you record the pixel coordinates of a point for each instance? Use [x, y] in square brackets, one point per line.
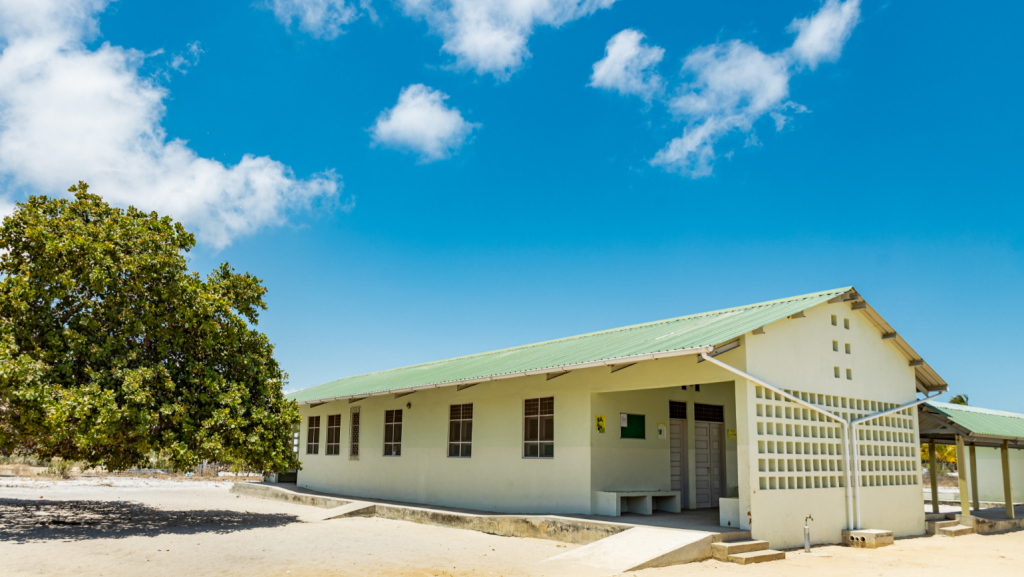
[960, 399]
[110, 349]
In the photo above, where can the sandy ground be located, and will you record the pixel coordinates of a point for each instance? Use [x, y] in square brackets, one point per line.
[124, 527]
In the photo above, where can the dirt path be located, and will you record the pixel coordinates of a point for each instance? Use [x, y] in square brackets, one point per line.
[124, 527]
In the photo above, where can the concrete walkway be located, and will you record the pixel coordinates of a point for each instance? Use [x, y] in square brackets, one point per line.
[625, 543]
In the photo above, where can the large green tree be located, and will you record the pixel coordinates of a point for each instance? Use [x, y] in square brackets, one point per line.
[110, 349]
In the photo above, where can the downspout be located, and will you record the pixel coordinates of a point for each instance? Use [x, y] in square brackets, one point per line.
[853, 436]
[802, 403]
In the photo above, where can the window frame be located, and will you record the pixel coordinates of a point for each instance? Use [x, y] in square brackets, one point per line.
[393, 444]
[354, 422]
[336, 430]
[312, 443]
[540, 443]
[461, 443]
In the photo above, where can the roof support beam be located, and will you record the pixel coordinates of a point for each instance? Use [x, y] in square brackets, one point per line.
[858, 305]
[464, 387]
[550, 376]
[400, 395]
[355, 400]
[617, 368]
[888, 336]
[798, 315]
[316, 405]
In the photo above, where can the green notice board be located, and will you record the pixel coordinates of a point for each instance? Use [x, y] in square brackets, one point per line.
[632, 426]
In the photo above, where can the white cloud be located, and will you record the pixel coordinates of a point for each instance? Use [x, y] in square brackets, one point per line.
[490, 36]
[629, 66]
[182, 62]
[69, 113]
[821, 37]
[421, 123]
[733, 84]
[318, 18]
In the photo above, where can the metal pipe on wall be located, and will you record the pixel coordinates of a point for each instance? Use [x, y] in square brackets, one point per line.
[801, 402]
[853, 435]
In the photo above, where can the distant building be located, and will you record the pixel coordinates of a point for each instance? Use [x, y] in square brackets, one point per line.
[672, 413]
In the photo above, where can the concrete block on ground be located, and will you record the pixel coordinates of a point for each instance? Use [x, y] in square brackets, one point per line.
[867, 538]
[757, 557]
[721, 551]
[729, 512]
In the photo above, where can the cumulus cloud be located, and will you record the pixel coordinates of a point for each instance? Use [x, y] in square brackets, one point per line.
[629, 66]
[730, 85]
[421, 122]
[70, 113]
[733, 84]
[318, 18]
[821, 37]
[490, 36]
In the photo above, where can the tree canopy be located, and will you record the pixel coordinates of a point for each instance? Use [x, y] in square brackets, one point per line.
[111, 349]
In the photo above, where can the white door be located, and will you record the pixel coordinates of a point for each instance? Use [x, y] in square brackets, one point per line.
[708, 463]
[677, 436]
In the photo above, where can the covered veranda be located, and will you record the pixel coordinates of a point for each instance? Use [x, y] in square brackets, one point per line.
[968, 428]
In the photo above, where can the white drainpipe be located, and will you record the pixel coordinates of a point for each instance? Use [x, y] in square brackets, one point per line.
[853, 436]
[802, 403]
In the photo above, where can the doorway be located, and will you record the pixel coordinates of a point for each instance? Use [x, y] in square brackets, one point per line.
[709, 454]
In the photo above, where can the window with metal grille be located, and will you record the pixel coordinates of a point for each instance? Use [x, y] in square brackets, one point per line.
[539, 428]
[313, 436]
[393, 433]
[676, 410]
[460, 431]
[710, 413]
[333, 435]
[353, 435]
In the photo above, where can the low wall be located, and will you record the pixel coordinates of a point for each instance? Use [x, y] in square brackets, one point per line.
[279, 493]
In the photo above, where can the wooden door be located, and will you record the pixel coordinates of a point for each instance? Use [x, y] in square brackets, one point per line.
[677, 436]
[709, 442]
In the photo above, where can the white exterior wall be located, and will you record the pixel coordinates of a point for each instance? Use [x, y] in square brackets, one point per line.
[497, 477]
[797, 355]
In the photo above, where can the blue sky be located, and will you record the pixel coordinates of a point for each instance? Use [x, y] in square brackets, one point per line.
[515, 196]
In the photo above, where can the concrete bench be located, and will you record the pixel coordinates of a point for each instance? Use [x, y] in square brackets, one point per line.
[614, 503]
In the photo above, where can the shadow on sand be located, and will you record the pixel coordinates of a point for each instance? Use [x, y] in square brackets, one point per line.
[44, 520]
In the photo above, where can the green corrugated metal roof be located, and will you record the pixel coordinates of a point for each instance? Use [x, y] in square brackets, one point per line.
[704, 329]
[985, 422]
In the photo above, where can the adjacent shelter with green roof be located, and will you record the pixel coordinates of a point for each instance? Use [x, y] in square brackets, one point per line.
[985, 464]
[748, 409]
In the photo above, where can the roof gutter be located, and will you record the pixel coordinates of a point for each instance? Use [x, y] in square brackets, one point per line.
[556, 369]
[803, 403]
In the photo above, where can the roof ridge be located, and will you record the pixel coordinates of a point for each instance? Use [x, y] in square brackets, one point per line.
[719, 312]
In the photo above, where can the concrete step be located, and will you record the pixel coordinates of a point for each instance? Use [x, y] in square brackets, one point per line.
[935, 517]
[757, 556]
[934, 526]
[721, 551]
[956, 531]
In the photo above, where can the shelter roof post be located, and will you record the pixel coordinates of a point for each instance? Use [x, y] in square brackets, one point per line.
[974, 479]
[961, 473]
[934, 476]
[1004, 451]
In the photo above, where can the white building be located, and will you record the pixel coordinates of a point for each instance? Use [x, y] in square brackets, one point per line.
[746, 409]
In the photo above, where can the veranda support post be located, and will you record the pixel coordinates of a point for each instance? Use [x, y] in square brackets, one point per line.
[974, 480]
[1004, 451]
[934, 476]
[961, 473]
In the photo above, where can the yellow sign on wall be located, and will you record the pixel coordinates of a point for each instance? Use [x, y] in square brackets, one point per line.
[731, 434]
[600, 423]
